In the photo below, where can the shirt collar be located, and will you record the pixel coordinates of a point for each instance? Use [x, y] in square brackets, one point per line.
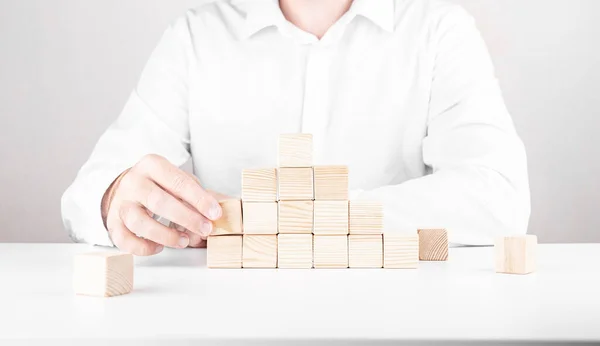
[261, 14]
[380, 12]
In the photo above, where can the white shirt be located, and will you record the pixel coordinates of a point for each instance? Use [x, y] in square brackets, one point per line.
[401, 91]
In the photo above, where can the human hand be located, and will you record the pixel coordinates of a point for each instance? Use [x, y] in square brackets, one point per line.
[155, 186]
[196, 241]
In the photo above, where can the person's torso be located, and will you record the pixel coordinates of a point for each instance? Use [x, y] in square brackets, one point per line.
[362, 91]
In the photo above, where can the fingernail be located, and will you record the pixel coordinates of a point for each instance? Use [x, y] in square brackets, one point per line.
[206, 228]
[215, 211]
[159, 249]
[183, 241]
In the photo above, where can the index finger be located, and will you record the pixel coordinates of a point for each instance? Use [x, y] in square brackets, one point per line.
[176, 182]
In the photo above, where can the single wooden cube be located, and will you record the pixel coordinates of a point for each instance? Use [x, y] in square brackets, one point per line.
[516, 254]
[224, 251]
[103, 274]
[330, 251]
[295, 217]
[331, 217]
[259, 185]
[365, 251]
[295, 251]
[231, 220]
[295, 150]
[433, 245]
[260, 217]
[295, 184]
[366, 217]
[260, 251]
[400, 251]
[331, 183]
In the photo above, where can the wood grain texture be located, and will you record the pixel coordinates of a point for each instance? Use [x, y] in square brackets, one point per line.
[295, 150]
[331, 183]
[433, 245]
[366, 217]
[260, 217]
[516, 254]
[365, 251]
[295, 184]
[295, 217]
[330, 251]
[231, 221]
[224, 251]
[331, 217]
[259, 185]
[259, 251]
[400, 251]
[103, 274]
[295, 251]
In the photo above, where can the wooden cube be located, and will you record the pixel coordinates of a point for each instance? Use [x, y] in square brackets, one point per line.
[330, 251]
[260, 217]
[295, 217]
[433, 245]
[295, 150]
[260, 251]
[295, 184]
[516, 254]
[231, 220]
[365, 251]
[400, 251]
[295, 251]
[331, 217]
[331, 183]
[224, 251]
[366, 217]
[259, 185]
[103, 274]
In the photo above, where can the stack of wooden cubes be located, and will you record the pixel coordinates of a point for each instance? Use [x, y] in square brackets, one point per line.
[298, 216]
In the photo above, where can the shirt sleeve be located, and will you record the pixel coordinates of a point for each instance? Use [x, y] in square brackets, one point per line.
[479, 186]
[153, 121]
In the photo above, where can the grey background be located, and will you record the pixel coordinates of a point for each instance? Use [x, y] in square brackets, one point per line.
[67, 67]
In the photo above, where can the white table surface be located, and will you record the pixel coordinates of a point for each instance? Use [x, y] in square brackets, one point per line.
[176, 299]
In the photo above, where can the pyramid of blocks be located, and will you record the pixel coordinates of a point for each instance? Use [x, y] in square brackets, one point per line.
[298, 216]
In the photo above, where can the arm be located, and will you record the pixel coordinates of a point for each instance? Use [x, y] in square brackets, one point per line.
[479, 186]
[154, 121]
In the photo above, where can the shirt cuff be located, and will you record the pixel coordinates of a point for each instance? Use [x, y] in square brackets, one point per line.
[82, 214]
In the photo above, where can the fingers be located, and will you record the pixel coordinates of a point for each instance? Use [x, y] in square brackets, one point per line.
[195, 240]
[137, 220]
[159, 202]
[130, 243]
[181, 185]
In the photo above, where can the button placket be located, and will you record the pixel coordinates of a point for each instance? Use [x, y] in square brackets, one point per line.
[315, 115]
